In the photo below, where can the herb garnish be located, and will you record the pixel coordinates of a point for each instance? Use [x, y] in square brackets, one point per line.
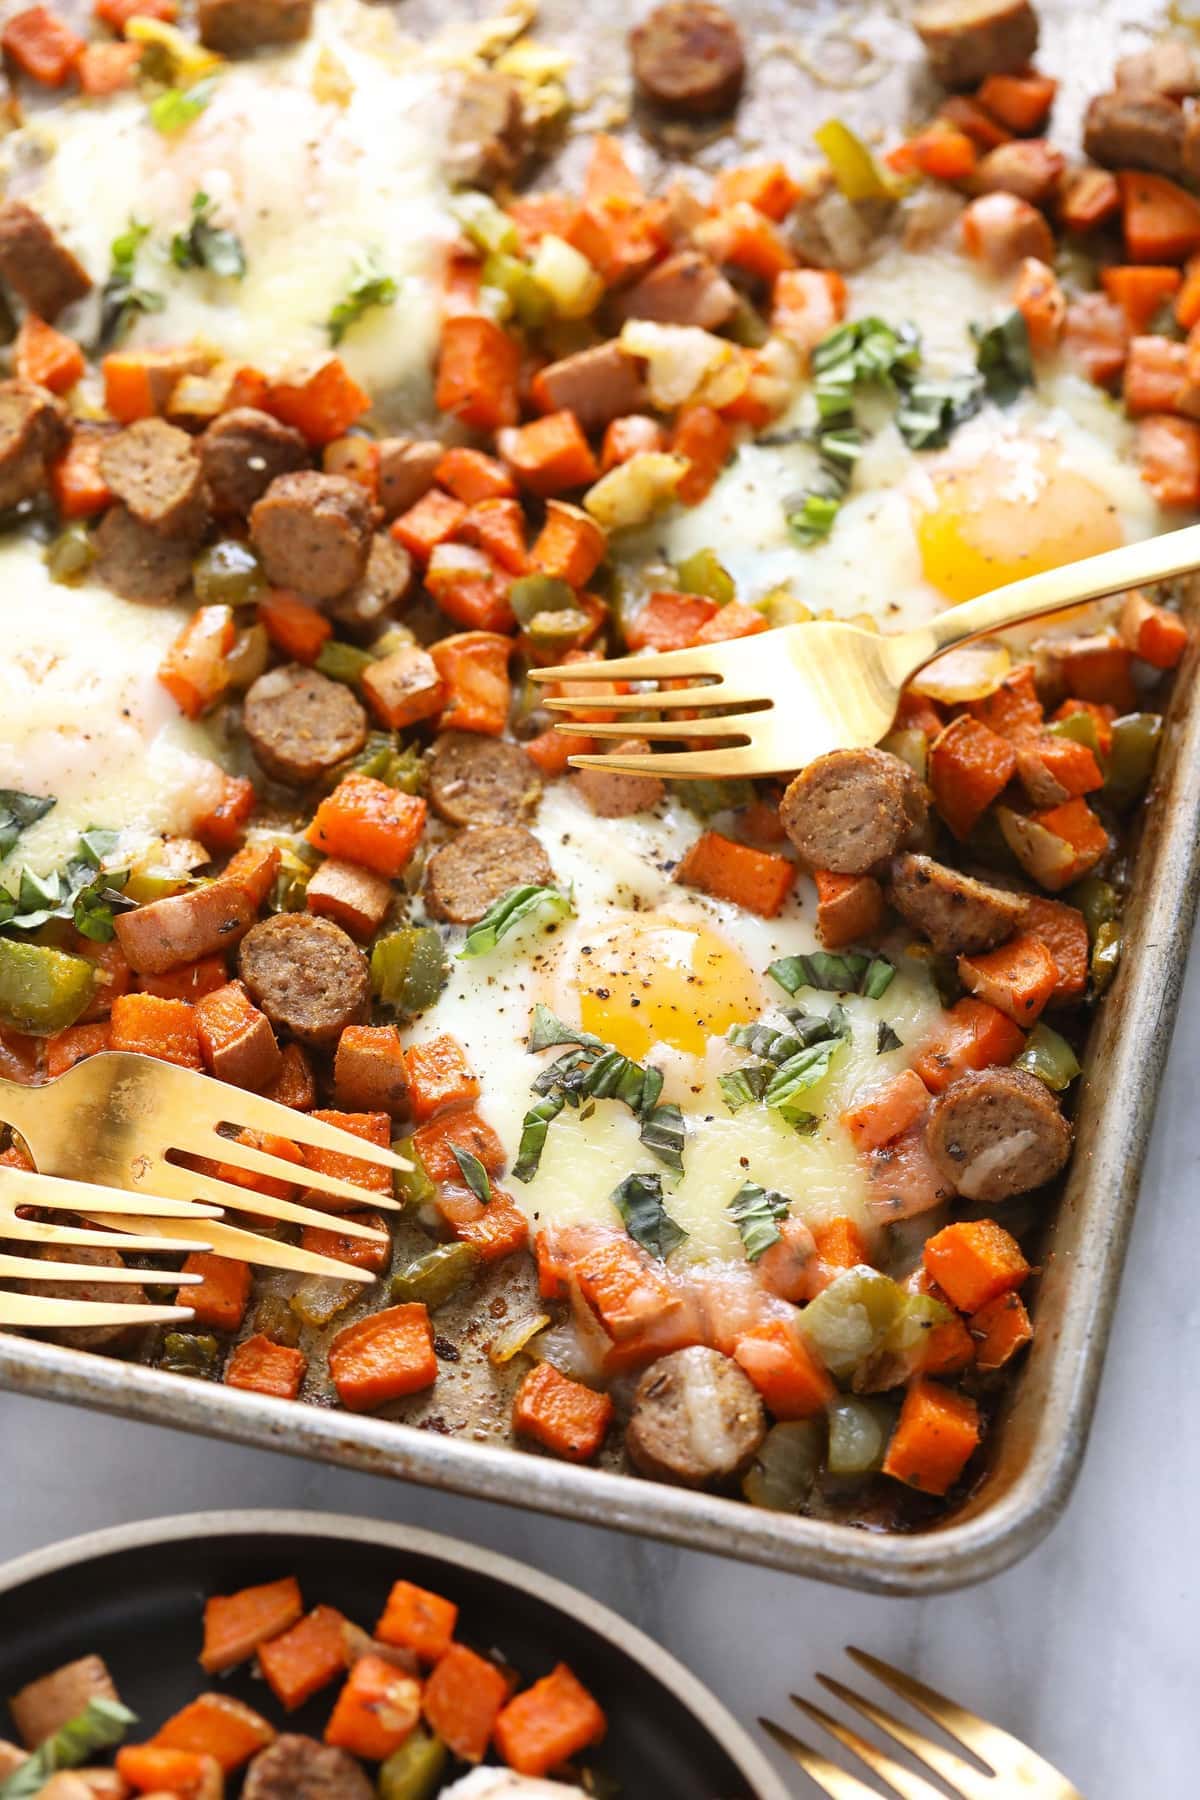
[592, 1070]
[534, 1127]
[175, 108]
[851, 973]
[797, 1061]
[756, 1212]
[797, 1075]
[369, 286]
[1003, 357]
[473, 1172]
[508, 911]
[639, 1200]
[203, 245]
[886, 1039]
[102, 1724]
[84, 891]
[744, 1086]
[121, 298]
[17, 812]
[663, 1133]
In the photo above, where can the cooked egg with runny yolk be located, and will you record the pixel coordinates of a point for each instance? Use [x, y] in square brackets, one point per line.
[1018, 511]
[655, 980]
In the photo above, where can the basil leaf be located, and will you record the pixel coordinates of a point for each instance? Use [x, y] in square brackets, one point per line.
[83, 892]
[755, 1211]
[806, 1123]
[814, 1028]
[800, 1073]
[931, 410]
[878, 978]
[102, 1724]
[175, 108]
[96, 847]
[121, 299]
[851, 973]
[473, 1173]
[663, 1133]
[547, 1031]
[534, 1127]
[508, 911]
[17, 812]
[886, 1039]
[368, 287]
[639, 1200]
[1003, 357]
[763, 1040]
[744, 1086]
[203, 245]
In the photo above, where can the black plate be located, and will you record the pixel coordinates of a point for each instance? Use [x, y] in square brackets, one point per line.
[135, 1595]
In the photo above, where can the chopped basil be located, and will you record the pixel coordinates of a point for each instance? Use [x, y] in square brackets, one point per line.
[744, 1086]
[84, 892]
[102, 1724]
[369, 287]
[1003, 357]
[663, 1133]
[534, 1127]
[931, 410]
[121, 299]
[548, 1031]
[851, 973]
[203, 245]
[17, 812]
[806, 1123]
[175, 108]
[639, 1200]
[756, 1211]
[508, 911]
[878, 978]
[814, 1028]
[473, 1173]
[886, 1039]
[798, 1074]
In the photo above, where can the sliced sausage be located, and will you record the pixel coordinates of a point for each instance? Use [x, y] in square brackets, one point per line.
[36, 263]
[618, 793]
[299, 1768]
[1001, 230]
[968, 39]
[688, 59]
[686, 289]
[959, 915]
[33, 430]
[1133, 130]
[1028, 167]
[476, 780]
[597, 385]
[300, 724]
[89, 1337]
[165, 934]
[406, 470]
[242, 452]
[46, 1705]
[1169, 67]
[307, 976]
[487, 138]
[851, 809]
[696, 1418]
[475, 868]
[235, 27]
[153, 468]
[136, 561]
[997, 1132]
[313, 533]
[370, 603]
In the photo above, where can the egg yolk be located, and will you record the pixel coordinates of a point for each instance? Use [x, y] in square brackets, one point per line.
[659, 981]
[1016, 512]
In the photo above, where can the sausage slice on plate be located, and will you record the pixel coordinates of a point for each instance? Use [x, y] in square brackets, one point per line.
[968, 39]
[300, 724]
[242, 452]
[959, 915]
[138, 562]
[152, 467]
[487, 137]
[475, 868]
[851, 809]
[235, 27]
[476, 780]
[313, 533]
[37, 264]
[997, 1132]
[33, 430]
[307, 976]
[688, 58]
[696, 1418]
[299, 1768]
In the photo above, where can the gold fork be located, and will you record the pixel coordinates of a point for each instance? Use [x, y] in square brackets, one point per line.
[119, 1119]
[789, 695]
[1012, 1769]
[20, 1188]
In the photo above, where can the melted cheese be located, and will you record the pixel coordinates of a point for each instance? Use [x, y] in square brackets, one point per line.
[84, 717]
[317, 157]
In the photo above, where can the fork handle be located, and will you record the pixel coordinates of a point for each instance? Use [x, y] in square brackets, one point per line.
[1132, 565]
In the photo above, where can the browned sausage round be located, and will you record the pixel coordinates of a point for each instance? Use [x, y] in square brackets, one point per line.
[997, 1132]
[299, 1768]
[33, 430]
[968, 39]
[1133, 130]
[363, 611]
[242, 452]
[959, 915]
[37, 264]
[406, 467]
[307, 975]
[300, 724]
[1028, 167]
[696, 1418]
[850, 809]
[313, 533]
[89, 1337]
[476, 780]
[152, 467]
[688, 58]
[475, 868]
[619, 793]
[235, 27]
[138, 562]
[487, 138]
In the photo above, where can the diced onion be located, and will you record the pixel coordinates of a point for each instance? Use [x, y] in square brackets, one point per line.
[513, 1339]
[685, 363]
[568, 277]
[971, 672]
[635, 490]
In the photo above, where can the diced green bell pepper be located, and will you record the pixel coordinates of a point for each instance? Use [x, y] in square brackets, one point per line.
[912, 747]
[437, 1276]
[414, 1771]
[788, 1461]
[704, 573]
[343, 662]
[1049, 1057]
[858, 1434]
[1080, 728]
[1135, 741]
[850, 1320]
[71, 554]
[408, 968]
[42, 990]
[228, 573]
[1106, 955]
[320, 1298]
[412, 1186]
[186, 1354]
[1096, 900]
[531, 595]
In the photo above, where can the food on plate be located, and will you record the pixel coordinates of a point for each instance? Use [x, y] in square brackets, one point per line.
[405, 1707]
[731, 1107]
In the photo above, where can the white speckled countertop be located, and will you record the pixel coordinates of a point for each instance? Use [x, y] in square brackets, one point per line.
[1088, 1649]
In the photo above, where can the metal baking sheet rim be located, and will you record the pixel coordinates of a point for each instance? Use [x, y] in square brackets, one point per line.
[1041, 1432]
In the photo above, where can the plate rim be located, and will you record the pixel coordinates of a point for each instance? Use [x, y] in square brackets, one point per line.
[269, 1521]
